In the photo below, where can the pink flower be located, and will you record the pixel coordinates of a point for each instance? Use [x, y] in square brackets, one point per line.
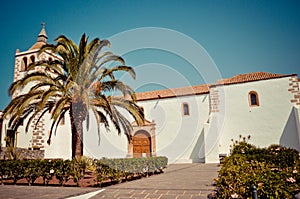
[235, 195]
[292, 180]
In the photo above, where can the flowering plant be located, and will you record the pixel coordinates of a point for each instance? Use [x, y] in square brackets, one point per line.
[273, 170]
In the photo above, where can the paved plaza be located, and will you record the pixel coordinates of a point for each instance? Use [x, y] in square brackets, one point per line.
[180, 181]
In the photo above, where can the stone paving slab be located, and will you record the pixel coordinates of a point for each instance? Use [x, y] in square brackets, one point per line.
[38, 192]
[180, 181]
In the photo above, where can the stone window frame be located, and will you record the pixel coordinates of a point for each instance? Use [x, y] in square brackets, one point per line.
[252, 94]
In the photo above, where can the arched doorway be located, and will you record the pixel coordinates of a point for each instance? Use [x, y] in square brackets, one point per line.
[141, 144]
[143, 141]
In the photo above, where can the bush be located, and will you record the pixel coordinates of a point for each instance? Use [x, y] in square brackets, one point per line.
[117, 169]
[47, 170]
[114, 170]
[16, 170]
[63, 170]
[32, 170]
[273, 170]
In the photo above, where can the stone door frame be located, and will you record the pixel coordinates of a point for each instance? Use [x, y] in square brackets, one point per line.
[148, 127]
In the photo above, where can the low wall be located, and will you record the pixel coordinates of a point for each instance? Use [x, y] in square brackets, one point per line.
[22, 153]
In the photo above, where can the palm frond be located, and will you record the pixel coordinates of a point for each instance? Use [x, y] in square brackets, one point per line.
[132, 108]
[73, 76]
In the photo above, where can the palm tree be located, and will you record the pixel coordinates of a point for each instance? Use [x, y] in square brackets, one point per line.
[79, 82]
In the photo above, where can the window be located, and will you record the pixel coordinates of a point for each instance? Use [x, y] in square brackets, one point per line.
[186, 109]
[253, 98]
[32, 58]
[24, 64]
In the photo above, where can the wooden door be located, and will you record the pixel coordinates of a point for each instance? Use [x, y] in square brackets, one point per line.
[141, 145]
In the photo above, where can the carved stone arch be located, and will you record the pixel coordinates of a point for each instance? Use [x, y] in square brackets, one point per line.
[143, 142]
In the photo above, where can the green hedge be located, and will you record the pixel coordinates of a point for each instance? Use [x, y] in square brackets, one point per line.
[122, 169]
[114, 170]
[273, 170]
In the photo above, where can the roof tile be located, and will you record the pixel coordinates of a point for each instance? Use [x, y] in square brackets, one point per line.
[204, 88]
[249, 77]
[174, 92]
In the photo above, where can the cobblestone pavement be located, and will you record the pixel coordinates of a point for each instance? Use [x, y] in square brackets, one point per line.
[180, 181]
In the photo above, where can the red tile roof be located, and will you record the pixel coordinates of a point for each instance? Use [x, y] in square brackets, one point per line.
[37, 45]
[175, 92]
[202, 89]
[249, 77]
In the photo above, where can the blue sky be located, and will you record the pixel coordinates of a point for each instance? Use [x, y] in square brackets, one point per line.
[240, 36]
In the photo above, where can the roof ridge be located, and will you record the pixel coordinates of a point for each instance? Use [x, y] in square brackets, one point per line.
[173, 92]
[248, 77]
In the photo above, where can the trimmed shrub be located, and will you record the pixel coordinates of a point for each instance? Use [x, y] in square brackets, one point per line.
[47, 170]
[117, 170]
[4, 170]
[114, 170]
[63, 170]
[16, 170]
[32, 170]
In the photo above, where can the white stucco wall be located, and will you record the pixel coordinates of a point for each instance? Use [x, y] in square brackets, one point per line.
[197, 137]
[22, 139]
[265, 123]
[178, 136]
[3, 133]
[60, 146]
[106, 145]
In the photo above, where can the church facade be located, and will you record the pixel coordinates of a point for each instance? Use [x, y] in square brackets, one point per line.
[189, 124]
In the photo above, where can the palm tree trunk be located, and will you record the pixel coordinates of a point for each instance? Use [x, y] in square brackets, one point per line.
[77, 132]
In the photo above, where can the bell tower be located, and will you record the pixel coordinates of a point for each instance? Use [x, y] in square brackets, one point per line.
[22, 61]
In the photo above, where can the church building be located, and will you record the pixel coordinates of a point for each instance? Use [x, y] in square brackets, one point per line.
[187, 125]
